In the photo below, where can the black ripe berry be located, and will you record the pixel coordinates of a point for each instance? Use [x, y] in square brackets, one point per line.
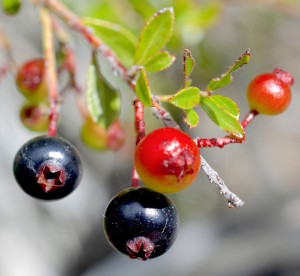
[141, 223]
[47, 167]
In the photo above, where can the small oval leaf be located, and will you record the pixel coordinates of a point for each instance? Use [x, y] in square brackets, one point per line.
[118, 38]
[224, 113]
[188, 67]
[143, 90]
[186, 98]
[226, 78]
[191, 118]
[154, 36]
[161, 61]
[103, 102]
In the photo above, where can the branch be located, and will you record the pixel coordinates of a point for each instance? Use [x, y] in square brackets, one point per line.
[233, 199]
[50, 70]
[159, 112]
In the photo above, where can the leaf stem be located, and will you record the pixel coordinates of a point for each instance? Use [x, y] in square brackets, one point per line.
[50, 70]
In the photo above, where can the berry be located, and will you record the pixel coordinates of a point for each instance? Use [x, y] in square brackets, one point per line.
[167, 160]
[270, 93]
[35, 117]
[141, 223]
[97, 137]
[31, 80]
[47, 167]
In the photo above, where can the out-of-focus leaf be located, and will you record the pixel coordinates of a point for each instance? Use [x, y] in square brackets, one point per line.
[144, 8]
[118, 38]
[11, 7]
[161, 61]
[191, 118]
[224, 113]
[154, 35]
[103, 102]
[226, 78]
[143, 90]
[186, 98]
[188, 67]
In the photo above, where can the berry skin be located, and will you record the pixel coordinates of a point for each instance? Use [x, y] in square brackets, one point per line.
[35, 117]
[167, 160]
[141, 223]
[47, 167]
[31, 80]
[270, 93]
[97, 137]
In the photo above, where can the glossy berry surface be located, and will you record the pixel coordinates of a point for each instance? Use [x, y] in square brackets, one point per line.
[270, 93]
[35, 117]
[141, 223]
[167, 160]
[31, 80]
[47, 167]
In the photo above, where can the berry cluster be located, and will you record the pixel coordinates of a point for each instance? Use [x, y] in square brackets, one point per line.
[140, 222]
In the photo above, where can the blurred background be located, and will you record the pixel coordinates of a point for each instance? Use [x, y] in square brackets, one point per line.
[66, 237]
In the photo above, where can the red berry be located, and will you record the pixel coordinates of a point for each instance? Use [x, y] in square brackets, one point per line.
[270, 93]
[31, 80]
[167, 160]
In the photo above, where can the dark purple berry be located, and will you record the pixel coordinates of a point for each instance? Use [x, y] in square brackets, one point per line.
[47, 167]
[141, 223]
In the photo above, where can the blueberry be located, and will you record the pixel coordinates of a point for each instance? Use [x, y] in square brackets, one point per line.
[47, 167]
[141, 223]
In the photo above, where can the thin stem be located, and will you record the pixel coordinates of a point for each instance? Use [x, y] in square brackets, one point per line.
[163, 115]
[50, 70]
[139, 120]
[140, 134]
[249, 117]
[232, 199]
[216, 142]
[5, 45]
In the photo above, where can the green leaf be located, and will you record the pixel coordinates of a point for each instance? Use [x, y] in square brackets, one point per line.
[11, 7]
[186, 98]
[145, 8]
[143, 90]
[118, 38]
[161, 61]
[154, 36]
[188, 67]
[103, 102]
[226, 78]
[224, 113]
[191, 118]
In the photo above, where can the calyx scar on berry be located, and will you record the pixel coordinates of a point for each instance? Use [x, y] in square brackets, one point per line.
[47, 167]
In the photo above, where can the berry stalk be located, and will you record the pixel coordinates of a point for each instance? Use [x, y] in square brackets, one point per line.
[140, 134]
[50, 70]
